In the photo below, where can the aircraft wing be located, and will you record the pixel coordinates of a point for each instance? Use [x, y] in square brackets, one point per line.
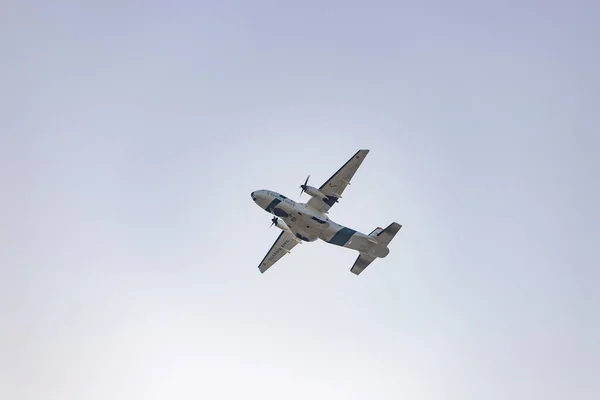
[334, 186]
[284, 243]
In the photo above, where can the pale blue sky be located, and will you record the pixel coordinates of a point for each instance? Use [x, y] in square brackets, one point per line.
[132, 133]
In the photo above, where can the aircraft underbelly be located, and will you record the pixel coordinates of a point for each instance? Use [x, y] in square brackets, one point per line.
[307, 227]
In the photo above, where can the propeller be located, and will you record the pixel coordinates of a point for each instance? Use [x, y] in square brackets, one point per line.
[303, 187]
[274, 221]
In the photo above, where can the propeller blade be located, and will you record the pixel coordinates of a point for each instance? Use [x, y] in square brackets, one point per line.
[273, 221]
[303, 187]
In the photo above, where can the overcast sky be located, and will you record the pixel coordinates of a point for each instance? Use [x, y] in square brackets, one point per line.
[131, 136]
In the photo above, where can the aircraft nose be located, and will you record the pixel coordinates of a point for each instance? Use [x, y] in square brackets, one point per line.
[253, 196]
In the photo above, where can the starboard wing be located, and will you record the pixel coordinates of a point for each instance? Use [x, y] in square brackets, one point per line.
[284, 243]
[334, 186]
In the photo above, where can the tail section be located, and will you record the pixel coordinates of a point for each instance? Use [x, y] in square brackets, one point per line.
[386, 235]
[378, 237]
[361, 263]
[376, 231]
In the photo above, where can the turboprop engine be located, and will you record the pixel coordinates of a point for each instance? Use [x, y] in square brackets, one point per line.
[313, 191]
[283, 226]
[280, 224]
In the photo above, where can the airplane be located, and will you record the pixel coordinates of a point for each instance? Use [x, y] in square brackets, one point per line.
[307, 222]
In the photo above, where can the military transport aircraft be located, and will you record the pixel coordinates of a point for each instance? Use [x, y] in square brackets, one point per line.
[309, 221]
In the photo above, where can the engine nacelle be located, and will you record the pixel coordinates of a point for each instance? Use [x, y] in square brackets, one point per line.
[283, 226]
[314, 192]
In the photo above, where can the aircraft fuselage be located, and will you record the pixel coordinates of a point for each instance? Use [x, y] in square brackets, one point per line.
[309, 225]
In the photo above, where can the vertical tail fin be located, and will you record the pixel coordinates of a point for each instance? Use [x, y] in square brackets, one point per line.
[386, 235]
[376, 231]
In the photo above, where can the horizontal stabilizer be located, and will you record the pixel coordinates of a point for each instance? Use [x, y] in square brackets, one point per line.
[361, 263]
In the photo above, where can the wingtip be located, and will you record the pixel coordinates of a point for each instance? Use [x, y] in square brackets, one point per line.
[361, 152]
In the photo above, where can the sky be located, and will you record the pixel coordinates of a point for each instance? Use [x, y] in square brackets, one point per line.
[131, 136]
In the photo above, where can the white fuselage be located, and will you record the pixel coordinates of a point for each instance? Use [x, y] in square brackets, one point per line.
[309, 225]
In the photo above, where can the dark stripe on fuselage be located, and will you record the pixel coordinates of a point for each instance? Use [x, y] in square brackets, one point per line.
[342, 236]
[272, 205]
